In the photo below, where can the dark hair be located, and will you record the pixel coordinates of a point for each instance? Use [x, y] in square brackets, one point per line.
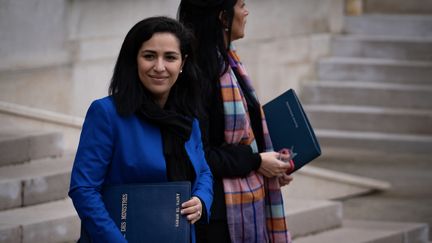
[126, 88]
[202, 16]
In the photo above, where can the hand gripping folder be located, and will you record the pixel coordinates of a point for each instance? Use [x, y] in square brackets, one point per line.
[148, 212]
[290, 128]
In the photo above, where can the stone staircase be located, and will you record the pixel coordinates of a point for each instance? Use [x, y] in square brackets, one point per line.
[373, 101]
[34, 205]
[374, 94]
[34, 181]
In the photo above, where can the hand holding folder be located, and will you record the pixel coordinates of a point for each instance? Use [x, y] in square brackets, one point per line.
[289, 160]
[148, 212]
[290, 129]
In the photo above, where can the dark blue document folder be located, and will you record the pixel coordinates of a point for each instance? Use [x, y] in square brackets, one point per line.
[290, 128]
[148, 212]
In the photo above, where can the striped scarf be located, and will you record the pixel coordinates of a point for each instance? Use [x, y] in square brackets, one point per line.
[254, 203]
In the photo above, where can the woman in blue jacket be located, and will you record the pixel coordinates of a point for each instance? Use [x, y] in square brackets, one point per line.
[145, 130]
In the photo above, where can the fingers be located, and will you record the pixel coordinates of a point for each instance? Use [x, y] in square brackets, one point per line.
[272, 165]
[285, 179]
[195, 218]
[265, 172]
[279, 169]
[192, 209]
[284, 157]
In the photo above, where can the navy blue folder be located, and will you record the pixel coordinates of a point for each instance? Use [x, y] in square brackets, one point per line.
[290, 128]
[148, 212]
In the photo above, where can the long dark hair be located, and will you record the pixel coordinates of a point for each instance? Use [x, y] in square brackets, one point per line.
[202, 16]
[126, 88]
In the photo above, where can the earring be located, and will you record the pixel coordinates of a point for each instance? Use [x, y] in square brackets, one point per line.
[226, 29]
[181, 70]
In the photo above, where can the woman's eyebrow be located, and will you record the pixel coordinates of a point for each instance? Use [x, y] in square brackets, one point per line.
[173, 53]
[153, 52]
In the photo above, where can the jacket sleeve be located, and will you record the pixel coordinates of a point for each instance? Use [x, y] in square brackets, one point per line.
[204, 185]
[225, 160]
[90, 166]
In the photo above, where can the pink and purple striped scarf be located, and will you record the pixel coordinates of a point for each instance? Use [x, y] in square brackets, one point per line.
[254, 203]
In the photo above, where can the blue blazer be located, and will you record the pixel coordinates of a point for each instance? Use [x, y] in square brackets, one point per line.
[115, 149]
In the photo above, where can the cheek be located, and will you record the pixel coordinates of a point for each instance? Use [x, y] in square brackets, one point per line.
[174, 78]
[238, 30]
[240, 24]
[142, 69]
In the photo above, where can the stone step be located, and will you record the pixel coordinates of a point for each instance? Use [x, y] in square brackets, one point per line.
[382, 47]
[353, 146]
[315, 183]
[35, 182]
[370, 119]
[364, 69]
[52, 222]
[305, 217]
[371, 232]
[367, 94]
[18, 146]
[391, 25]
[57, 221]
[334, 154]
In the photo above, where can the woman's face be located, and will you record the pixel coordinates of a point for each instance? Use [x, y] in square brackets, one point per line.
[239, 20]
[159, 63]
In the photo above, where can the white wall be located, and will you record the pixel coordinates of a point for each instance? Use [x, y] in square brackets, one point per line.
[58, 55]
[284, 39]
[32, 33]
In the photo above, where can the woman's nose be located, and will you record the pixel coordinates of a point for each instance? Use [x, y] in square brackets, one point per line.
[159, 65]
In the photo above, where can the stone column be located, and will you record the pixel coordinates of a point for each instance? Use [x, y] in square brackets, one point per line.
[354, 7]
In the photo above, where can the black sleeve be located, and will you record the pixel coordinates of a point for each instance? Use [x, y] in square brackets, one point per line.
[232, 160]
[225, 160]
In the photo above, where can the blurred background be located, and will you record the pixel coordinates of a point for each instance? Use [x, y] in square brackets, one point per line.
[362, 68]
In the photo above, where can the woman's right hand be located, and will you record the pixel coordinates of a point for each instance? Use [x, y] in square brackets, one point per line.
[192, 209]
[272, 164]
